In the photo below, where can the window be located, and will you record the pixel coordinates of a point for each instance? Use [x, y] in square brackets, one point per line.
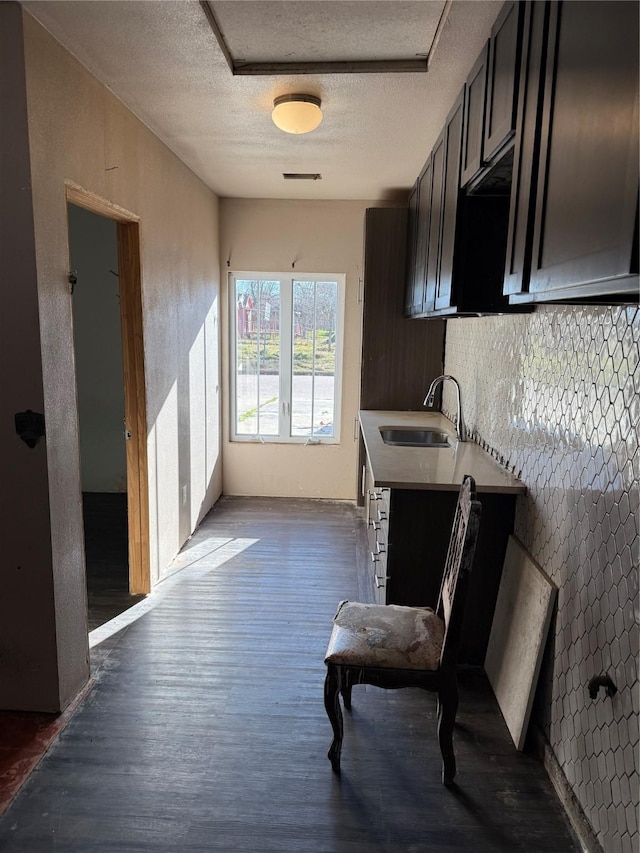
[286, 352]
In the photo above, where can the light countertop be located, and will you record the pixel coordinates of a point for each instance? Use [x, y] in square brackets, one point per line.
[430, 467]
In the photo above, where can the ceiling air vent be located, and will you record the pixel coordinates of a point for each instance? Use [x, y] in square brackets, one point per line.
[302, 176]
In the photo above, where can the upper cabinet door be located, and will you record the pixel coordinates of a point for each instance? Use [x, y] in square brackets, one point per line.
[586, 196]
[474, 114]
[526, 153]
[419, 237]
[412, 236]
[502, 79]
[435, 223]
[450, 194]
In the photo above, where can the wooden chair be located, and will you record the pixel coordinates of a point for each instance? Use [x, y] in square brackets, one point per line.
[392, 646]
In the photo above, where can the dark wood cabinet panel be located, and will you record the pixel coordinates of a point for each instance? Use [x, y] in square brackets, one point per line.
[546, 205]
[411, 249]
[418, 243]
[422, 236]
[399, 359]
[467, 235]
[587, 190]
[438, 163]
[583, 198]
[474, 116]
[451, 192]
[502, 79]
[526, 151]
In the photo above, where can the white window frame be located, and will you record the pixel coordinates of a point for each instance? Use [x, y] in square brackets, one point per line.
[286, 280]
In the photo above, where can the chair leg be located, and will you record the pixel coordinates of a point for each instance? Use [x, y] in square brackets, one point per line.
[447, 709]
[332, 706]
[345, 689]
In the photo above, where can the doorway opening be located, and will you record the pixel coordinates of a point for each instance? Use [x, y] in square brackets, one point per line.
[109, 357]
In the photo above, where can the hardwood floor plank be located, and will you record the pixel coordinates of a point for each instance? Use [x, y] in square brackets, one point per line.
[206, 728]
[107, 558]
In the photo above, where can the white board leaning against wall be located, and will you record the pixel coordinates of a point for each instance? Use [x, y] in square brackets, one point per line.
[518, 636]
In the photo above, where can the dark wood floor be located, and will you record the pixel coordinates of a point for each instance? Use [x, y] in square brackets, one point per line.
[206, 731]
[107, 559]
[24, 736]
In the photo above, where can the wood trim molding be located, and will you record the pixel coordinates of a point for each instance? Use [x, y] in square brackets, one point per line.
[135, 404]
[96, 204]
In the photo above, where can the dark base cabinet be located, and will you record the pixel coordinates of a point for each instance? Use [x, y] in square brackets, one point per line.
[408, 541]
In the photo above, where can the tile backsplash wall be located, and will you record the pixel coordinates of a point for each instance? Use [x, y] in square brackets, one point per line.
[555, 397]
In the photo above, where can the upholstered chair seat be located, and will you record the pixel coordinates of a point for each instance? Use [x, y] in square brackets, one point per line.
[385, 635]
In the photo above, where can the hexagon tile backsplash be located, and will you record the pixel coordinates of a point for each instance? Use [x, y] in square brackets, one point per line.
[555, 397]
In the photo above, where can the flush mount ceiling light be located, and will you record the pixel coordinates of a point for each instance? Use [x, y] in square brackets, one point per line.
[297, 113]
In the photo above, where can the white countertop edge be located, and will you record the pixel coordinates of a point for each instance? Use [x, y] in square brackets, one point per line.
[440, 469]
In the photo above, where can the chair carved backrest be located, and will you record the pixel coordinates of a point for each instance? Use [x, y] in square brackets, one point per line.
[396, 646]
[455, 580]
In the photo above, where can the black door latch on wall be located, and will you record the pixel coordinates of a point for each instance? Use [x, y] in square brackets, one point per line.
[29, 426]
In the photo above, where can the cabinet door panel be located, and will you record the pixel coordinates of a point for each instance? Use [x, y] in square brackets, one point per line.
[412, 237]
[472, 155]
[435, 223]
[526, 153]
[588, 179]
[422, 240]
[502, 78]
[453, 141]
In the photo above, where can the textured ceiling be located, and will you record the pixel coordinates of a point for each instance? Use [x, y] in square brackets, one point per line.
[161, 58]
[288, 30]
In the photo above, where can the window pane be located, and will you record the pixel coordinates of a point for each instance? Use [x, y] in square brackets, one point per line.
[257, 357]
[314, 357]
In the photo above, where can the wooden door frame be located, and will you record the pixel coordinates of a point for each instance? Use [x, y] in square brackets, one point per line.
[135, 405]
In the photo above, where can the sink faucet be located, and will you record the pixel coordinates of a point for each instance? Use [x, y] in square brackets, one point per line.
[428, 401]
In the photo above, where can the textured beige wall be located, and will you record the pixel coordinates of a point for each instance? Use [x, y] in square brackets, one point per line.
[28, 671]
[320, 236]
[79, 132]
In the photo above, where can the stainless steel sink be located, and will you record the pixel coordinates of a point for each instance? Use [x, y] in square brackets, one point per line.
[412, 437]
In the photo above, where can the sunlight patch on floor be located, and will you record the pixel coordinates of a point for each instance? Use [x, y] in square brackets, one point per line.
[195, 561]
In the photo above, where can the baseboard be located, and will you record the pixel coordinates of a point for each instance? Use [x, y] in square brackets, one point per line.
[579, 823]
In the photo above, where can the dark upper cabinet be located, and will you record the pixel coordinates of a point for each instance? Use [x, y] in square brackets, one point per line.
[491, 95]
[444, 294]
[502, 79]
[412, 236]
[418, 244]
[531, 191]
[438, 156]
[464, 238]
[474, 114]
[574, 199]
